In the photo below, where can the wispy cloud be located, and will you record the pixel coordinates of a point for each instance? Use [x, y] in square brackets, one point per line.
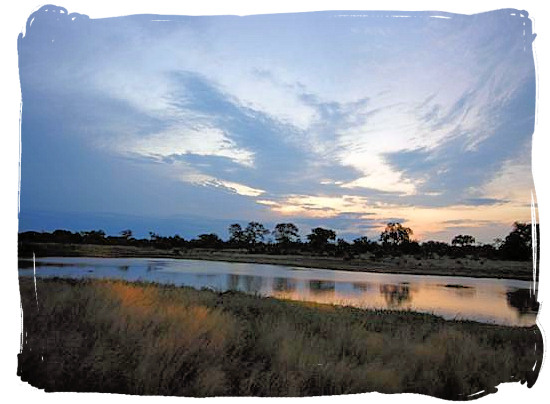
[311, 116]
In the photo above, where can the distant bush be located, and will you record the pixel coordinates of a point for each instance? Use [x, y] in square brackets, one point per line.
[394, 241]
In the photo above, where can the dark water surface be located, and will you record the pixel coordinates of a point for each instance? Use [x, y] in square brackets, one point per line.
[500, 301]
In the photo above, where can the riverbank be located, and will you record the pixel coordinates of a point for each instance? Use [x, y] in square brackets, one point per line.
[148, 339]
[446, 266]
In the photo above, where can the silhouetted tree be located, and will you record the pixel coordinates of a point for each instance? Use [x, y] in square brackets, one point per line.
[158, 241]
[518, 244]
[395, 234]
[178, 241]
[319, 238]
[210, 240]
[361, 245]
[255, 233]
[343, 249]
[463, 240]
[410, 247]
[93, 236]
[487, 251]
[64, 236]
[127, 234]
[497, 242]
[286, 233]
[429, 248]
[236, 235]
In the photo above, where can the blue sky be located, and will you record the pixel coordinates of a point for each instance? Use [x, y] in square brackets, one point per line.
[338, 119]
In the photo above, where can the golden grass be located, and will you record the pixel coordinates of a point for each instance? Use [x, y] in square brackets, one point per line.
[115, 336]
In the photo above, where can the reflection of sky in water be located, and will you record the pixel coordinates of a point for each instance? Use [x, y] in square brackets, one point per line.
[481, 299]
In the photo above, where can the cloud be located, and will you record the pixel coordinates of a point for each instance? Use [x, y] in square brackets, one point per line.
[181, 140]
[281, 164]
[459, 171]
[327, 119]
[233, 187]
[483, 201]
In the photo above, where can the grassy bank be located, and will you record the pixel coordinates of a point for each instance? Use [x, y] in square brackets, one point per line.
[483, 268]
[114, 336]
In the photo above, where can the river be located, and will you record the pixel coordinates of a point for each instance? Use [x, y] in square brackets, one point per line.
[498, 301]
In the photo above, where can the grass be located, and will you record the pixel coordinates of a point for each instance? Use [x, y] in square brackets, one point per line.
[148, 339]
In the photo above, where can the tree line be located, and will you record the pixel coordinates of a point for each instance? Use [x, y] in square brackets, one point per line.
[395, 240]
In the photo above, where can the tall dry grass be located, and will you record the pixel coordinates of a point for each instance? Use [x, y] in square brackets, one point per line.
[114, 336]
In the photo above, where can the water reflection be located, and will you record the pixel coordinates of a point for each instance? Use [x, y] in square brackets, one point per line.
[460, 290]
[284, 285]
[252, 284]
[523, 300]
[232, 282]
[488, 300]
[319, 286]
[361, 286]
[395, 295]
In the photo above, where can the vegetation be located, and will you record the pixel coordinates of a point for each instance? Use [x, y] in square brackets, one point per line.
[320, 238]
[131, 338]
[394, 241]
[395, 234]
[286, 233]
[518, 245]
[463, 240]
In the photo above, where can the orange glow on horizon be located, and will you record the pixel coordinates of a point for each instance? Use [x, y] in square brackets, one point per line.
[424, 221]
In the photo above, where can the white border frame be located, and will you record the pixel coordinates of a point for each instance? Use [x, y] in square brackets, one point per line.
[14, 19]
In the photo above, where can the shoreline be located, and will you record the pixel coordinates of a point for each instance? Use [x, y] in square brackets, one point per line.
[404, 265]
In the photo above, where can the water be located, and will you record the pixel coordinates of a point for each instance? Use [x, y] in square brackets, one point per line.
[498, 301]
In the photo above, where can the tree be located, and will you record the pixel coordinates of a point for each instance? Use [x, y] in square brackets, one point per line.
[127, 234]
[463, 240]
[361, 245]
[343, 248]
[286, 233]
[255, 233]
[210, 240]
[518, 245]
[319, 237]
[395, 234]
[236, 234]
[65, 236]
[497, 242]
[93, 236]
[430, 248]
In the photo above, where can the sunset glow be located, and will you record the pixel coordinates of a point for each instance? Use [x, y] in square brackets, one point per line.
[320, 119]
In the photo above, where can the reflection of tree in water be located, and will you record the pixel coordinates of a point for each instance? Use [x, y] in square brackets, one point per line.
[245, 283]
[155, 265]
[252, 284]
[284, 285]
[233, 282]
[523, 301]
[360, 286]
[395, 295]
[460, 290]
[317, 286]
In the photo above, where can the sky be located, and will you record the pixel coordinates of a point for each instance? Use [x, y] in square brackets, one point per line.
[346, 120]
